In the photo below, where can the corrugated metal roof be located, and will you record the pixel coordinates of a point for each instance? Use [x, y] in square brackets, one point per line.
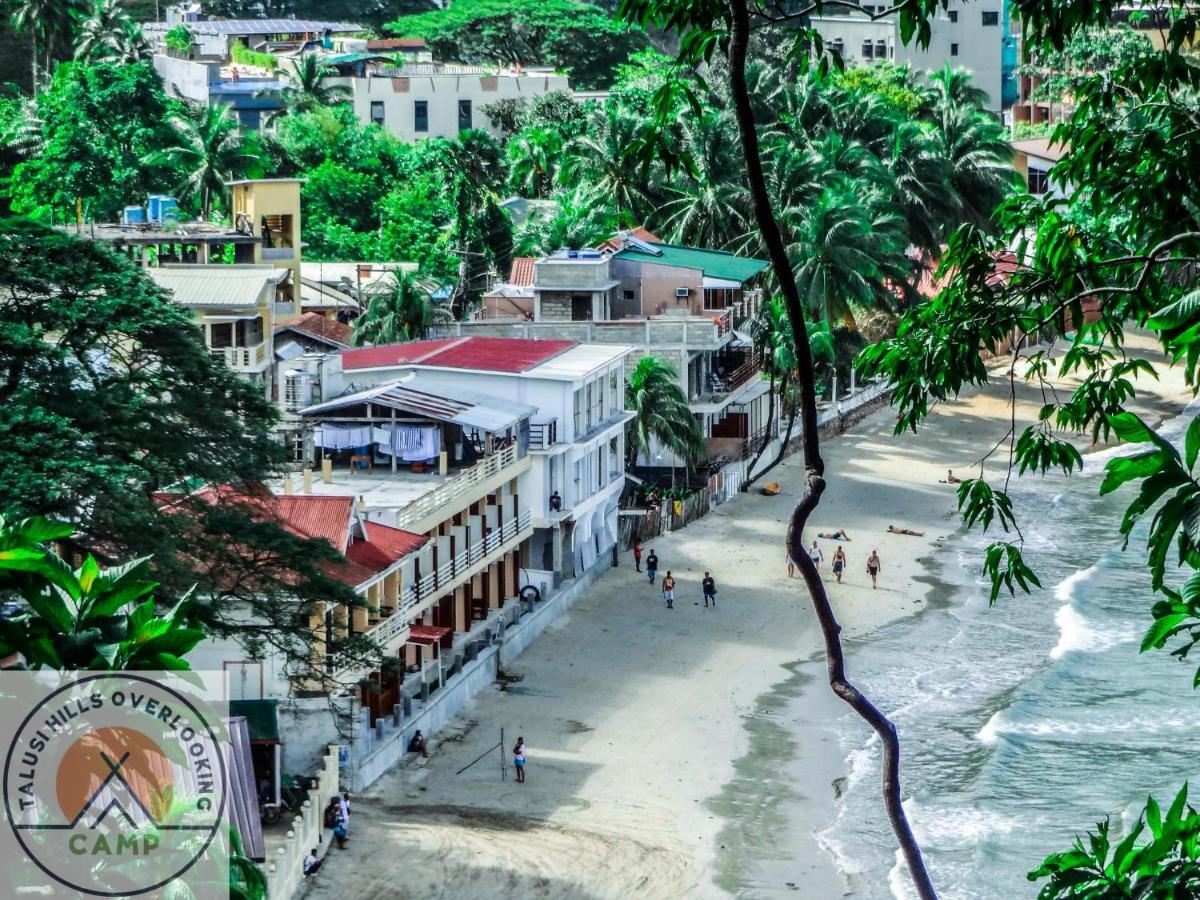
[318, 517]
[580, 361]
[437, 399]
[259, 26]
[482, 354]
[225, 286]
[714, 263]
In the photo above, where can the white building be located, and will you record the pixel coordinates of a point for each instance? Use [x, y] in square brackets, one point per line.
[422, 100]
[973, 36]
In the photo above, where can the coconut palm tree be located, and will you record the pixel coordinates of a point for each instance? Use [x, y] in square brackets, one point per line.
[973, 145]
[580, 217]
[844, 252]
[401, 311]
[921, 186]
[706, 207]
[105, 32]
[601, 156]
[48, 22]
[308, 88]
[660, 413]
[534, 156]
[211, 151]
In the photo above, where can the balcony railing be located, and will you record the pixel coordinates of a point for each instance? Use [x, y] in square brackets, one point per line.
[543, 435]
[441, 578]
[456, 487]
[723, 318]
[242, 359]
[743, 373]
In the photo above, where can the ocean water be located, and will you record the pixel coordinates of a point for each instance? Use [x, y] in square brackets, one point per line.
[1024, 723]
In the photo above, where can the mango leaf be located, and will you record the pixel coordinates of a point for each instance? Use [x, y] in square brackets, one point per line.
[1122, 469]
[1192, 442]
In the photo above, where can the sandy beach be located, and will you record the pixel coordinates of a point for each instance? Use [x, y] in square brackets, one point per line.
[657, 756]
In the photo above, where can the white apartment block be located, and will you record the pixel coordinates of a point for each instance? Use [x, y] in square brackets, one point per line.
[423, 100]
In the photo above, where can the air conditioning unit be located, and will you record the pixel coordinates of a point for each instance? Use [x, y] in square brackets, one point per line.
[682, 292]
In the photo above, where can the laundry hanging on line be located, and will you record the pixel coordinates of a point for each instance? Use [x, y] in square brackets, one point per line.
[411, 443]
[341, 437]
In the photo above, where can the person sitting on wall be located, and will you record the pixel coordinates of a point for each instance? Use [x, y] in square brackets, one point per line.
[555, 502]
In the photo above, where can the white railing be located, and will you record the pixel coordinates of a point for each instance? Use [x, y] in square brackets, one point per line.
[242, 359]
[285, 868]
[443, 575]
[456, 487]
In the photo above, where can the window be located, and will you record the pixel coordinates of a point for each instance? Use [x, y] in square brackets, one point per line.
[377, 112]
[954, 49]
[953, 14]
[991, 18]
[881, 49]
[627, 295]
[838, 47]
[579, 427]
[420, 115]
[1039, 181]
[464, 115]
[868, 50]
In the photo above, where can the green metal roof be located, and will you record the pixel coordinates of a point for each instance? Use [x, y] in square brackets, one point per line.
[261, 720]
[713, 263]
[344, 58]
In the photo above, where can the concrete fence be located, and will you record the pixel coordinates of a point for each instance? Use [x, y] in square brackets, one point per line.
[285, 865]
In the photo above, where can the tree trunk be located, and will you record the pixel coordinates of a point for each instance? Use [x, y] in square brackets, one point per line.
[739, 38]
[787, 437]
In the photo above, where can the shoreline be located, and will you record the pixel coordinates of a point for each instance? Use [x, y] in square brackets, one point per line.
[681, 753]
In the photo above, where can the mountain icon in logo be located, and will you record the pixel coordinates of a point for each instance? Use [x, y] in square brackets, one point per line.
[114, 799]
[113, 764]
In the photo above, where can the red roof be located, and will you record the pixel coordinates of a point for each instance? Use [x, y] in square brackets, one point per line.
[487, 354]
[427, 634]
[393, 540]
[322, 328]
[521, 273]
[317, 517]
[614, 242]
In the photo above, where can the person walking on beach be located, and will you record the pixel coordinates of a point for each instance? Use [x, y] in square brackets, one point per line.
[873, 567]
[652, 565]
[637, 554]
[839, 563]
[791, 567]
[814, 553]
[519, 759]
[669, 590]
[709, 586]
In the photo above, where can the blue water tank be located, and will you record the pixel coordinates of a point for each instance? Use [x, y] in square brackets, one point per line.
[152, 206]
[168, 209]
[133, 215]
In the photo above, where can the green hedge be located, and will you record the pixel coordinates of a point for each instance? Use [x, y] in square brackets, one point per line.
[247, 57]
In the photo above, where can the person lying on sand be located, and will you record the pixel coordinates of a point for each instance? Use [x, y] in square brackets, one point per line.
[894, 530]
[839, 535]
[950, 478]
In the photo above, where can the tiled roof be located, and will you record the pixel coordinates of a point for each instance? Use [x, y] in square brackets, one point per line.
[347, 571]
[713, 263]
[641, 233]
[322, 328]
[316, 517]
[486, 354]
[393, 540]
[521, 273]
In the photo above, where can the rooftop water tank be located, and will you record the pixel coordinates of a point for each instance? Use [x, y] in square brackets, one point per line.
[168, 209]
[153, 204]
[133, 215]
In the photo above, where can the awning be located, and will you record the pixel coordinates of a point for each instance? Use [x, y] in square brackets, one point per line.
[741, 339]
[751, 392]
[427, 634]
[428, 396]
[261, 719]
[214, 320]
[720, 283]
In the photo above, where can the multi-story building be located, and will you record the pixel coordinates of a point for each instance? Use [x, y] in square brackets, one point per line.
[423, 100]
[977, 37]
[679, 304]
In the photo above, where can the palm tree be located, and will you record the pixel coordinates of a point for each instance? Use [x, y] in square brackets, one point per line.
[601, 156]
[706, 209]
[844, 252]
[401, 311]
[105, 32]
[534, 156]
[660, 413]
[921, 186]
[308, 88]
[47, 22]
[211, 151]
[973, 145]
[580, 217]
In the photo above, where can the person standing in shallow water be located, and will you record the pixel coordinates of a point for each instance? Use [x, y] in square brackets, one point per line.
[873, 567]
[519, 759]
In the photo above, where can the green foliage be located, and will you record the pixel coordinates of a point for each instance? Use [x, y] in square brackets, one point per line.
[573, 37]
[660, 413]
[1086, 54]
[179, 38]
[308, 86]
[579, 217]
[243, 55]
[400, 310]
[1163, 865]
[96, 127]
[106, 32]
